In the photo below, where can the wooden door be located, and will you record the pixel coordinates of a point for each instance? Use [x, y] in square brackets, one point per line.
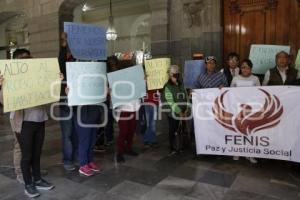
[249, 22]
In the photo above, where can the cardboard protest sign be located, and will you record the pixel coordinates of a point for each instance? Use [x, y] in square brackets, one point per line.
[30, 82]
[86, 42]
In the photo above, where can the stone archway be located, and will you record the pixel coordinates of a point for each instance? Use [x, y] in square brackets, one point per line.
[65, 11]
[159, 22]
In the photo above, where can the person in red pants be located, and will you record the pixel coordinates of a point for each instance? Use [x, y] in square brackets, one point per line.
[126, 117]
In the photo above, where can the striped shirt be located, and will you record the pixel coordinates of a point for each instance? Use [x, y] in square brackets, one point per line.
[213, 80]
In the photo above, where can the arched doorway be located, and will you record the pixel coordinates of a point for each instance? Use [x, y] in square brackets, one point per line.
[14, 32]
[131, 19]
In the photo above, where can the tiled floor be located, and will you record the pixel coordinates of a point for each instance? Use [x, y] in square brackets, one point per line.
[152, 175]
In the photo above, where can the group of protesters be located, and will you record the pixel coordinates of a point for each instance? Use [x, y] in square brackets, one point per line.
[79, 140]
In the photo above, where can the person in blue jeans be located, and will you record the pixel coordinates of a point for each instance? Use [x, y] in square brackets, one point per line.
[87, 119]
[150, 104]
[69, 137]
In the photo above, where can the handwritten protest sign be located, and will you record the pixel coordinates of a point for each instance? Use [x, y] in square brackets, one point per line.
[127, 85]
[298, 60]
[192, 69]
[86, 42]
[87, 83]
[263, 56]
[156, 71]
[30, 82]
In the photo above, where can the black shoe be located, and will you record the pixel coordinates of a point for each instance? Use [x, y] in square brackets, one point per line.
[99, 149]
[43, 185]
[31, 191]
[120, 158]
[131, 153]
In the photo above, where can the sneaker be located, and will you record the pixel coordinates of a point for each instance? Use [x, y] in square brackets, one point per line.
[94, 167]
[69, 167]
[31, 191]
[43, 185]
[131, 153]
[252, 160]
[172, 153]
[86, 171]
[120, 158]
[20, 179]
[236, 158]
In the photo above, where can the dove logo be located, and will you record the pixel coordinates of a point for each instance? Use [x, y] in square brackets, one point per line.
[248, 122]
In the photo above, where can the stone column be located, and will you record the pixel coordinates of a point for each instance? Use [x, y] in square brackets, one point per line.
[195, 26]
[159, 27]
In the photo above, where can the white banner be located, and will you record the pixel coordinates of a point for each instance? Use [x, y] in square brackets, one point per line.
[262, 122]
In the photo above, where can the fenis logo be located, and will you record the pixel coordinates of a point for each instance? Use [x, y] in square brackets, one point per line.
[247, 121]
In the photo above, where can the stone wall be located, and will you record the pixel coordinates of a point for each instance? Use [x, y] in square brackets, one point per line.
[195, 26]
[43, 20]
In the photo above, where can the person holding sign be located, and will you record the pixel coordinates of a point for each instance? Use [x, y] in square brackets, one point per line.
[17, 155]
[29, 124]
[127, 125]
[246, 79]
[69, 137]
[282, 73]
[175, 99]
[126, 105]
[151, 102]
[211, 78]
[86, 119]
[105, 136]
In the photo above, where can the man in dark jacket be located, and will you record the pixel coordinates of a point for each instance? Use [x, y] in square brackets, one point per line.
[283, 73]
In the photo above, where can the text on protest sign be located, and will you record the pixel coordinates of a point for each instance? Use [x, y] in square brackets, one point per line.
[263, 56]
[86, 42]
[30, 82]
[87, 83]
[126, 85]
[156, 71]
